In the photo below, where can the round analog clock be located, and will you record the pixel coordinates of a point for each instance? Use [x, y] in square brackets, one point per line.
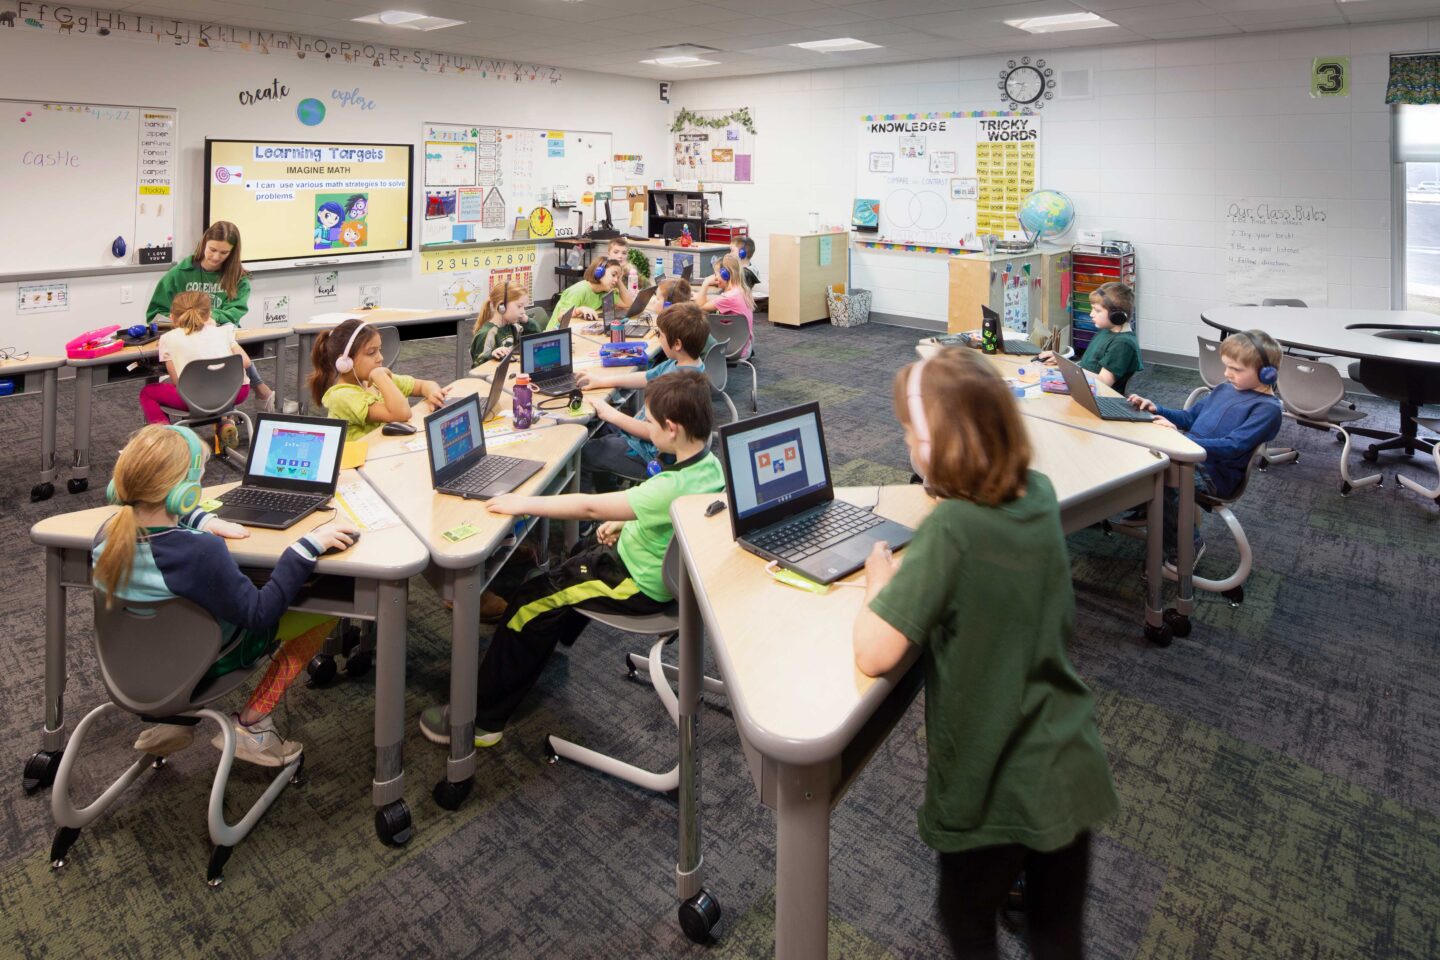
[1026, 84]
[542, 223]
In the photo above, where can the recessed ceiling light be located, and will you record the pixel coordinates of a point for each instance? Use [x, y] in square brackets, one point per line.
[680, 62]
[408, 21]
[1066, 21]
[837, 45]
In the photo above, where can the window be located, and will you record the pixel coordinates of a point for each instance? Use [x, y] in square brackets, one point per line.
[1417, 160]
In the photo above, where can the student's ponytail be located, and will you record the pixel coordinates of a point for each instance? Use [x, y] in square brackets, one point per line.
[731, 264]
[190, 310]
[152, 463]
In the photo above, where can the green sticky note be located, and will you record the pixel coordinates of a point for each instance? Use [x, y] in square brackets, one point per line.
[210, 506]
[794, 579]
[459, 533]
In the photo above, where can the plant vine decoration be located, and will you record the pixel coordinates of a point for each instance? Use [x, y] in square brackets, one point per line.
[685, 118]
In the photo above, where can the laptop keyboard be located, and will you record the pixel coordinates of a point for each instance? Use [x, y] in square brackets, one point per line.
[262, 499]
[818, 531]
[558, 384]
[637, 329]
[1117, 408]
[483, 474]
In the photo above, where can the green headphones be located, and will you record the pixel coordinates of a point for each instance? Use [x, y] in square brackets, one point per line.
[185, 495]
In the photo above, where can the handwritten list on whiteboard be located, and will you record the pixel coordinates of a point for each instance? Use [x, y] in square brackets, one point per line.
[1276, 248]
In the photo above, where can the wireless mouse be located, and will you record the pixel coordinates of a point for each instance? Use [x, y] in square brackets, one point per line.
[354, 539]
[399, 428]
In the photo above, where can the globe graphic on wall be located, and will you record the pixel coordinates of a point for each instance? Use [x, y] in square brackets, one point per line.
[1046, 214]
[310, 111]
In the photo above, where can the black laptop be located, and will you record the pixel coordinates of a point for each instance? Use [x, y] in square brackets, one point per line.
[636, 327]
[459, 464]
[782, 503]
[497, 387]
[1106, 408]
[1020, 346]
[546, 358]
[294, 463]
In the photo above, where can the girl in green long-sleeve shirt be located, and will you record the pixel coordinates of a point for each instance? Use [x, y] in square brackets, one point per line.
[215, 268]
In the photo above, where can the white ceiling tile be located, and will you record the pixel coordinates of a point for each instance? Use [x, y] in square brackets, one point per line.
[822, 17]
[1155, 12]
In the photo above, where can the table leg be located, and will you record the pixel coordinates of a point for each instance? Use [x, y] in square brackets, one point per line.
[392, 815]
[1155, 628]
[302, 369]
[1185, 541]
[281, 346]
[462, 348]
[45, 489]
[802, 862]
[699, 910]
[42, 766]
[464, 667]
[84, 394]
[572, 527]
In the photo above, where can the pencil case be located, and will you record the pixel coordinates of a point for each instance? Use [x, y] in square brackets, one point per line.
[1052, 382]
[94, 343]
[628, 353]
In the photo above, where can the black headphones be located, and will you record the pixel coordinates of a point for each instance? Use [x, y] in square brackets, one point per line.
[574, 400]
[1268, 374]
[1118, 317]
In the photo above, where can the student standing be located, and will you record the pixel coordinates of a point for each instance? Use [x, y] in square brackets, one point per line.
[215, 268]
[1016, 775]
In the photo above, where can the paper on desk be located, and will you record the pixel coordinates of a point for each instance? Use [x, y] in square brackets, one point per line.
[515, 436]
[417, 444]
[354, 455]
[333, 319]
[364, 506]
[580, 362]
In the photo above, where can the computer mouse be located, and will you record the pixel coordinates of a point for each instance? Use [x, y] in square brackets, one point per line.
[714, 508]
[399, 428]
[354, 539]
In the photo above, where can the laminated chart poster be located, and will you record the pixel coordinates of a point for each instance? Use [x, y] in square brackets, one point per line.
[944, 180]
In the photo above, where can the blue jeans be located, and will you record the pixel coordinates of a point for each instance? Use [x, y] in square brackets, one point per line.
[1172, 512]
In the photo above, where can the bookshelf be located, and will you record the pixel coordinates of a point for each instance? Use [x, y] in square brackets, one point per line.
[1093, 266]
[677, 208]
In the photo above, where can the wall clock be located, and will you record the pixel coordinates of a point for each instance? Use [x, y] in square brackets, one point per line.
[542, 224]
[1026, 84]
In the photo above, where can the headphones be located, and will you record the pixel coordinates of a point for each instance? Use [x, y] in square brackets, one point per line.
[741, 254]
[1268, 374]
[185, 495]
[724, 272]
[1118, 318]
[599, 272]
[572, 401]
[345, 363]
[917, 412]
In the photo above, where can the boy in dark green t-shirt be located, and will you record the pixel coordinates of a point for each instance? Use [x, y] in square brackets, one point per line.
[1016, 776]
[1113, 353]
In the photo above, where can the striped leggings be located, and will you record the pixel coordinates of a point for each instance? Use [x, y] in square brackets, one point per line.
[302, 635]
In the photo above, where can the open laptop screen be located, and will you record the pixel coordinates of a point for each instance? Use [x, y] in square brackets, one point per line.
[296, 453]
[545, 354]
[453, 432]
[773, 461]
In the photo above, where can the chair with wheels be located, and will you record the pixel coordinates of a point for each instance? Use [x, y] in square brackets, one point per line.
[1410, 385]
[1313, 395]
[1212, 370]
[208, 388]
[664, 627]
[1283, 302]
[154, 660]
[723, 326]
[390, 345]
[1433, 425]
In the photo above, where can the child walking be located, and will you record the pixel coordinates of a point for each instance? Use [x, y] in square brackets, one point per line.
[349, 379]
[1016, 775]
[159, 545]
[196, 337]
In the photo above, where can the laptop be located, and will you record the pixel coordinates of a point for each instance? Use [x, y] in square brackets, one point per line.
[1106, 408]
[294, 463]
[459, 465]
[565, 318]
[497, 388]
[546, 358]
[782, 503]
[637, 328]
[1020, 346]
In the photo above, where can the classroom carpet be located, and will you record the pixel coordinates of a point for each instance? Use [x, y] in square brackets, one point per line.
[1279, 769]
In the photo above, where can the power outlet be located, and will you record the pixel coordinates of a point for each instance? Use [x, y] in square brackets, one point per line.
[127, 294]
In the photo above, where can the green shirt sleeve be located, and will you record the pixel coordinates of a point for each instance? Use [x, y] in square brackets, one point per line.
[1121, 357]
[165, 291]
[918, 596]
[578, 294]
[237, 306]
[349, 403]
[651, 500]
[404, 383]
[483, 345]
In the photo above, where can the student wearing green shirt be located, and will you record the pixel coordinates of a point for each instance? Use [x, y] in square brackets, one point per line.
[215, 268]
[501, 324]
[618, 572]
[1016, 775]
[585, 295]
[1113, 354]
[349, 379]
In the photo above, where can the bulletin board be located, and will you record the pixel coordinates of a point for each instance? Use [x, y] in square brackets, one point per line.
[944, 180]
[484, 184]
[80, 177]
[713, 154]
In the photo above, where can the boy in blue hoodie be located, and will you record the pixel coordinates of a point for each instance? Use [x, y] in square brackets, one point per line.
[1229, 422]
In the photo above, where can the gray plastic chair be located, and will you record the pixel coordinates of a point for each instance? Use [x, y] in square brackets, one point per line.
[665, 627]
[722, 327]
[1283, 302]
[1312, 394]
[1433, 425]
[208, 388]
[719, 372]
[153, 659]
[1212, 369]
[390, 345]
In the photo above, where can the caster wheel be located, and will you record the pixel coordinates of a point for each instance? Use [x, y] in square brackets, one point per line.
[298, 777]
[1262, 466]
[1178, 623]
[40, 770]
[1371, 455]
[349, 639]
[1345, 489]
[449, 794]
[1106, 527]
[1235, 596]
[321, 669]
[215, 873]
[1013, 910]
[551, 757]
[77, 484]
[1161, 636]
[65, 838]
[42, 491]
[698, 916]
[158, 764]
[629, 667]
[392, 824]
[358, 664]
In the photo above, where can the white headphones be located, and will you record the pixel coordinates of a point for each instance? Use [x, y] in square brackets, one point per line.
[917, 415]
[345, 363]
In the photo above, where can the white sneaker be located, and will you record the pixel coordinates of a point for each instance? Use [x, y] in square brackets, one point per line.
[292, 407]
[268, 404]
[259, 743]
[163, 739]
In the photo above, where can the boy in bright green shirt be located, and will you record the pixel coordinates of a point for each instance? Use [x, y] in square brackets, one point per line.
[586, 296]
[620, 572]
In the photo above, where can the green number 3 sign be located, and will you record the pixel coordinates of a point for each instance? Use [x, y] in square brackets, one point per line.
[1330, 77]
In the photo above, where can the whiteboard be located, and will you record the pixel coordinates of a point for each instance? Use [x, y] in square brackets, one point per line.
[946, 179]
[79, 175]
[478, 180]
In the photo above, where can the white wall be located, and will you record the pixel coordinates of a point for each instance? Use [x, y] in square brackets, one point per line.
[204, 84]
[1173, 129]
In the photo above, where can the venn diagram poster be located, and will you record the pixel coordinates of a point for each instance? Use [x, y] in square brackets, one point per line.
[946, 179]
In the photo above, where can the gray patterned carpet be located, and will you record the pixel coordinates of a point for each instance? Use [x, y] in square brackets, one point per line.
[1280, 769]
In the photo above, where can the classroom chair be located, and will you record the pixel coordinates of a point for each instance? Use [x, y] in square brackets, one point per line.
[1409, 385]
[1433, 425]
[1212, 370]
[664, 627]
[722, 327]
[1283, 302]
[154, 659]
[1312, 393]
[208, 388]
[718, 370]
[390, 346]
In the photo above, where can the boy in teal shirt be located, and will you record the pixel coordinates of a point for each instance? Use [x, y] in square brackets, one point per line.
[1113, 353]
[620, 571]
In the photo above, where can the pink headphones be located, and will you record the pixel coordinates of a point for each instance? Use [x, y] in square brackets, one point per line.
[345, 363]
[917, 411]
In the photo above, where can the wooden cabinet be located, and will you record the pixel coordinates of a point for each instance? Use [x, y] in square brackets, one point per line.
[1030, 291]
[798, 280]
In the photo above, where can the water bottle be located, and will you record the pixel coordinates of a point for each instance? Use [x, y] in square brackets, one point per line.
[633, 280]
[521, 404]
[659, 269]
[990, 333]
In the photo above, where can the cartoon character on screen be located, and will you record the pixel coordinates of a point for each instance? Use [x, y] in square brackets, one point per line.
[352, 234]
[356, 207]
[327, 224]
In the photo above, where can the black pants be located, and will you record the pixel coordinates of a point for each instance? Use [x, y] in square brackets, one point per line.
[542, 614]
[974, 883]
